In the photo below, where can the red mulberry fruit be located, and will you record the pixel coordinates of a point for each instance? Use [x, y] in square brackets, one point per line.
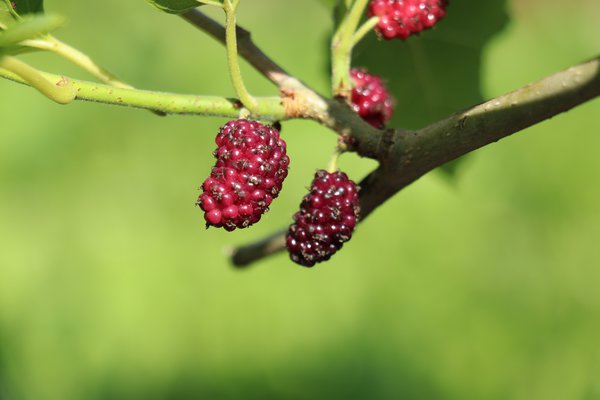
[402, 18]
[251, 167]
[370, 98]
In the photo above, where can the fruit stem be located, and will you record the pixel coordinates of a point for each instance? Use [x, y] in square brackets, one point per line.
[62, 94]
[333, 162]
[341, 50]
[364, 30]
[355, 14]
[230, 7]
[11, 10]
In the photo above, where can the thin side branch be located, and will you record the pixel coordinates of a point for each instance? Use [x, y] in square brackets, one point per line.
[341, 50]
[55, 90]
[246, 255]
[406, 156]
[364, 29]
[80, 59]
[232, 56]
[299, 103]
[268, 108]
[77, 57]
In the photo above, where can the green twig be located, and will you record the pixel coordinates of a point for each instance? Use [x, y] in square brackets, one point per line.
[246, 49]
[364, 30]
[230, 7]
[61, 92]
[341, 49]
[11, 10]
[355, 15]
[29, 28]
[78, 58]
[267, 108]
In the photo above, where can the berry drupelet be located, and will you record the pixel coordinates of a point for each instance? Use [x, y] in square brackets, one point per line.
[327, 217]
[249, 172]
[402, 18]
[370, 98]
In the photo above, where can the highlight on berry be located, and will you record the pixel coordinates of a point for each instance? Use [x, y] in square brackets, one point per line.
[249, 173]
[399, 19]
[326, 219]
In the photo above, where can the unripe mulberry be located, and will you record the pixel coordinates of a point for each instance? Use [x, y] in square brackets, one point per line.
[370, 98]
[249, 172]
[326, 220]
[402, 18]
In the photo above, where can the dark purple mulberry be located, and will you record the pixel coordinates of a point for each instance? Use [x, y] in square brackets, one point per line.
[327, 217]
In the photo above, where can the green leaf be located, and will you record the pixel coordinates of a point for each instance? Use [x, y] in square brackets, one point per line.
[24, 7]
[438, 72]
[175, 6]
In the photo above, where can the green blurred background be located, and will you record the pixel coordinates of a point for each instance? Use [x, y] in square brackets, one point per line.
[485, 286]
